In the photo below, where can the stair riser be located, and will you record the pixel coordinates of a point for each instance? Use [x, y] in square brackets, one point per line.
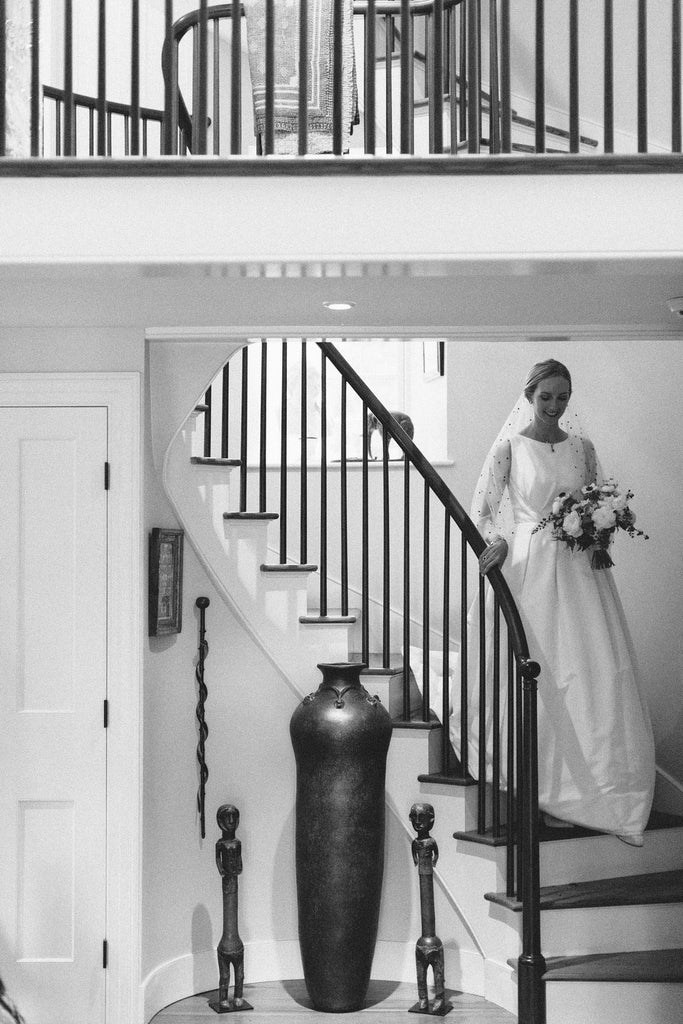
[602, 929]
[569, 860]
[590, 1002]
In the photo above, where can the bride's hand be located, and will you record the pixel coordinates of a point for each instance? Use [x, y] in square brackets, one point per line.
[495, 555]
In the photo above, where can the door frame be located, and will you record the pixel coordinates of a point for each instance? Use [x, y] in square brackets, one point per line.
[120, 393]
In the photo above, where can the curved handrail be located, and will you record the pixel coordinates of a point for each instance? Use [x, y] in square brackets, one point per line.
[441, 490]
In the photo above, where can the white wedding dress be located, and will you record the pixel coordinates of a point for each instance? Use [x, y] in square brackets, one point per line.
[595, 746]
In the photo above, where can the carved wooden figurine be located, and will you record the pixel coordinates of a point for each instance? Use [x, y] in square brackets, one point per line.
[429, 947]
[230, 949]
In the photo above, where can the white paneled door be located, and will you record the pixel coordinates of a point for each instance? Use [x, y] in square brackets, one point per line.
[53, 684]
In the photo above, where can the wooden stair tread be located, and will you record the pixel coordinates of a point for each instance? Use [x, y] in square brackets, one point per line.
[658, 820]
[655, 965]
[374, 663]
[317, 619]
[250, 515]
[288, 567]
[624, 891]
[204, 460]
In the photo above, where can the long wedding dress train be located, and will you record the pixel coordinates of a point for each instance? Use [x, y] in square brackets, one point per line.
[595, 745]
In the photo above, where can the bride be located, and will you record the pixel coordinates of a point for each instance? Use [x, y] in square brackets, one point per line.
[595, 746]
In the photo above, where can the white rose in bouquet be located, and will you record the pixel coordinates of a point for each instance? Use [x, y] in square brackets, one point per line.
[572, 524]
[604, 518]
[619, 502]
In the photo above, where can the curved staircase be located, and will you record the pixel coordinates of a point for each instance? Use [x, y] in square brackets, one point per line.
[611, 915]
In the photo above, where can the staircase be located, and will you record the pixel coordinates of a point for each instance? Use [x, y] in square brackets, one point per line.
[611, 915]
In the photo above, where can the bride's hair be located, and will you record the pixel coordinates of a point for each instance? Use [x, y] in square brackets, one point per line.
[541, 371]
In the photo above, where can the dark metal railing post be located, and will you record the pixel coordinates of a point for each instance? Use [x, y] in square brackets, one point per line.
[270, 78]
[216, 90]
[445, 647]
[344, 510]
[481, 768]
[207, 423]
[303, 78]
[608, 86]
[263, 426]
[386, 553]
[388, 81]
[225, 412]
[170, 128]
[642, 76]
[464, 660]
[371, 75]
[494, 89]
[202, 119]
[323, 483]
[244, 420]
[426, 643]
[437, 82]
[337, 76]
[505, 78]
[473, 76]
[69, 110]
[495, 715]
[574, 76]
[102, 80]
[406, 589]
[406, 78]
[531, 963]
[365, 545]
[236, 78]
[283, 455]
[303, 502]
[540, 76]
[35, 78]
[676, 76]
[135, 78]
[511, 839]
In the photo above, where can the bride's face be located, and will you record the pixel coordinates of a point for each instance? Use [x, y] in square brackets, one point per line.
[550, 400]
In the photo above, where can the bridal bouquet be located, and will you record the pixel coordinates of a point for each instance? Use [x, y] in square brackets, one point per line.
[589, 519]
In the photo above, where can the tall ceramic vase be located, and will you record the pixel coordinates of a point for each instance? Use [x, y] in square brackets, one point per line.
[340, 736]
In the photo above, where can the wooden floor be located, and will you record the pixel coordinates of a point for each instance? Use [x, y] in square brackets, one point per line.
[287, 1002]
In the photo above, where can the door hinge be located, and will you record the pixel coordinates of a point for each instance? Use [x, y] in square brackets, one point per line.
[106, 476]
[106, 714]
[105, 953]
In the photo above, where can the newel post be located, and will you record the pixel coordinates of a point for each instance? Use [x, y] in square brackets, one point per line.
[531, 963]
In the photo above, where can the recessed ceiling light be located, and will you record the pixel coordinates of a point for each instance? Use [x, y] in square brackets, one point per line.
[341, 304]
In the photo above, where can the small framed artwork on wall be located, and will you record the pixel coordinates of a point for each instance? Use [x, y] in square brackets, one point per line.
[165, 581]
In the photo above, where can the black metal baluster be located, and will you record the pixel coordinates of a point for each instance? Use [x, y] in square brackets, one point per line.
[236, 78]
[386, 553]
[608, 82]
[263, 426]
[436, 96]
[270, 78]
[303, 78]
[494, 101]
[495, 745]
[225, 412]
[473, 77]
[365, 544]
[207, 423]
[243, 428]
[452, 81]
[203, 730]
[135, 78]
[676, 76]
[573, 76]
[216, 89]
[91, 131]
[283, 455]
[512, 783]
[371, 75]
[170, 130]
[69, 108]
[406, 589]
[58, 128]
[505, 75]
[337, 78]
[464, 661]
[406, 76]
[303, 503]
[35, 78]
[540, 76]
[642, 76]
[344, 509]
[426, 640]
[519, 730]
[481, 816]
[202, 64]
[445, 648]
[464, 71]
[323, 483]
[388, 80]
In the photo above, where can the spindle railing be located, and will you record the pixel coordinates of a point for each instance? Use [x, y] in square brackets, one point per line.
[436, 77]
[386, 533]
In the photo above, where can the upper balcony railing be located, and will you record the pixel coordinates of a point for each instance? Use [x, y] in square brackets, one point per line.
[419, 78]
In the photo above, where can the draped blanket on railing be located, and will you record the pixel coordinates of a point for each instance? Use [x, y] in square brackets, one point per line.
[320, 91]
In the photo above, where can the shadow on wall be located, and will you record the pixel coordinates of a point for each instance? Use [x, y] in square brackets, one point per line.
[202, 940]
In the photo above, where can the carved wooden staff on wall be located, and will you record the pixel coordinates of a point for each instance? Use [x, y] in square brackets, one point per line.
[202, 603]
